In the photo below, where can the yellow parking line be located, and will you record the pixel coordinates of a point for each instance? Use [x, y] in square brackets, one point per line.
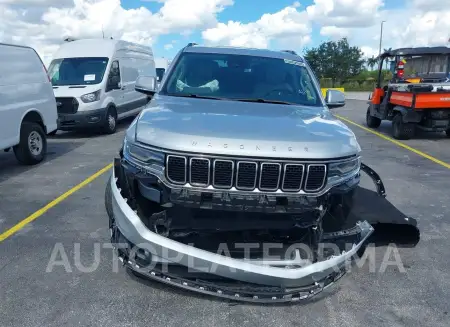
[403, 145]
[50, 205]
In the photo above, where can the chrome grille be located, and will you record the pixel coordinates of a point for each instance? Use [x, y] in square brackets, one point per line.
[223, 173]
[315, 177]
[270, 176]
[246, 174]
[199, 171]
[293, 177]
[177, 172]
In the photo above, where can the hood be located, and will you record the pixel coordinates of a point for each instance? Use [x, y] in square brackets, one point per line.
[74, 90]
[244, 129]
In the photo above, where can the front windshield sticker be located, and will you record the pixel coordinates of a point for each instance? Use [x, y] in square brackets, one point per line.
[89, 78]
[293, 62]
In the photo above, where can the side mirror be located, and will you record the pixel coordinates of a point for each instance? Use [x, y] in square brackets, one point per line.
[334, 99]
[146, 85]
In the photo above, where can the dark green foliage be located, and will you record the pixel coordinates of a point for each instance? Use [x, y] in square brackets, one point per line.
[336, 60]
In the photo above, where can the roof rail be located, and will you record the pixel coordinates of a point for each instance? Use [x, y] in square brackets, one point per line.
[191, 44]
[290, 51]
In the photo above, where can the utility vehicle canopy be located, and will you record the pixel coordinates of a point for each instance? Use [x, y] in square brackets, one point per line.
[416, 51]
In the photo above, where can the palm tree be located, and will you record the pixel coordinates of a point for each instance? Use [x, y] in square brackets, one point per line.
[372, 62]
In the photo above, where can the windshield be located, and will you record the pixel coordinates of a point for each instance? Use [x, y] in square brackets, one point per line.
[416, 66]
[242, 77]
[77, 71]
[160, 73]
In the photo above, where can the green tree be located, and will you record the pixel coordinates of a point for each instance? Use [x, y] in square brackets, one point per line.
[336, 60]
[372, 62]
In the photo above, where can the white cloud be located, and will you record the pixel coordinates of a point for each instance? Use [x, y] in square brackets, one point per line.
[369, 52]
[429, 4]
[43, 24]
[344, 13]
[334, 32]
[407, 27]
[287, 23]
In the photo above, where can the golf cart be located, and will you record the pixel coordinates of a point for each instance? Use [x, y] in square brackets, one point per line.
[417, 96]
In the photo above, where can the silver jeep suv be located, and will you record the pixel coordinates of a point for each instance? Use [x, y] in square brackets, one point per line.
[234, 177]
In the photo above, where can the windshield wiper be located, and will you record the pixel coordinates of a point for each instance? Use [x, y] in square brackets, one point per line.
[194, 96]
[264, 101]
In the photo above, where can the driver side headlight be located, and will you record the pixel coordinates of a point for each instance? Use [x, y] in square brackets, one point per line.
[339, 171]
[91, 97]
[140, 155]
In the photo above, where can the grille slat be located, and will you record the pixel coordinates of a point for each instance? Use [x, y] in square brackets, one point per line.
[199, 171]
[315, 177]
[293, 177]
[246, 175]
[223, 172]
[270, 176]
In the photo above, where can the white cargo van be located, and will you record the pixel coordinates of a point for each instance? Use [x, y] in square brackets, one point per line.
[94, 79]
[161, 65]
[27, 104]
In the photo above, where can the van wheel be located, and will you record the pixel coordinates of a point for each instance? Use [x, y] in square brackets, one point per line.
[448, 132]
[111, 121]
[401, 130]
[371, 121]
[33, 144]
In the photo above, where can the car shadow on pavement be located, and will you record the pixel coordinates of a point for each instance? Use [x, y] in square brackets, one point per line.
[92, 133]
[10, 167]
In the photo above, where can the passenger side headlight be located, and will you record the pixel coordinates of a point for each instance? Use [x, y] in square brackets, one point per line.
[90, 97]
[140, 155]
[339, 171]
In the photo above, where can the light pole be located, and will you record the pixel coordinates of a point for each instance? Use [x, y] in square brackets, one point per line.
[381, 36]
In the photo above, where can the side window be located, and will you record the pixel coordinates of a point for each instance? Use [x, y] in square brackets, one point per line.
[113, 77]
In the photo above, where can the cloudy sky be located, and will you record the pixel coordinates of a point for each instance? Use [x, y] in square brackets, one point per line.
[168, 25]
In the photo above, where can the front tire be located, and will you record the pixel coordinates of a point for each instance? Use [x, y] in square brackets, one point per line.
[371, 121]
[401, 130]
[111, 121]
[448, 132]
[32, 148]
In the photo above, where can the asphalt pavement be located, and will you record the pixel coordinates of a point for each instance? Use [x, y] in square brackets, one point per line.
[83, 286]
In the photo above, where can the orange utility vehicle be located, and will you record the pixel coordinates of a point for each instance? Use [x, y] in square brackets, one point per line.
[417, 96]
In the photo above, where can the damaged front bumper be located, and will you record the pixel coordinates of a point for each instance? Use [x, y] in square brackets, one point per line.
[257, 280]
